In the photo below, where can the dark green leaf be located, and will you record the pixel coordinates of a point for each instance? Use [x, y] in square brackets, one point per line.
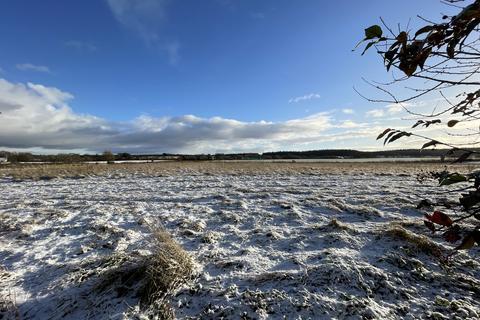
[428, 123]
[408, 69]
[372, 32]
[402, 37]
[451, 151]
[463, 157]
[425, 203]
[368, 46]
[429, 144]
[423, 56]
[423, 30]
[468, 200]
[389, 135]
[476, 236]
[451, 123]
[418, 123]
[451, 49]
[380, 136]
[453, 178]
[398, 136]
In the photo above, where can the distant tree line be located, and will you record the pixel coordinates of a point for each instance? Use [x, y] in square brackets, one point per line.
[355, 154]
[16, 157]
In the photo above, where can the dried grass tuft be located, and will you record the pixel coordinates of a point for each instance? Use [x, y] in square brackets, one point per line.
[154, 278]
[420, 242]
[334, 224]
[168, 268]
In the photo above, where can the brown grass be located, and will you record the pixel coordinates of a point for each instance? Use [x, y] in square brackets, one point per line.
[168, 268]
[420, 242]
[155, 277]
[334, 224]
[80, 170]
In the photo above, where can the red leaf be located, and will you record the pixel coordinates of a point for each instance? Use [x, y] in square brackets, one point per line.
[440, 218]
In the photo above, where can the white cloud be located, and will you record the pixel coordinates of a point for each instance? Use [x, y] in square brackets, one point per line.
[389, 109]
[32, 67]
[376, 113]
[348, 111]
[37, 117]
[306, 97]
[81, 45]
[398, 107]
[34, 115]
[351, 124]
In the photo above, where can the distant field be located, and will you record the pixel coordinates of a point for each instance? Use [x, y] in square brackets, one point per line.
[37, 171]
[266, 240]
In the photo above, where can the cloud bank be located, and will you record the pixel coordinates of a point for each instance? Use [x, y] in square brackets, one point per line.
[36, 116]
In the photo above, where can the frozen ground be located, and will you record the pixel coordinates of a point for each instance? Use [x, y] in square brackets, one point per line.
[296, 244]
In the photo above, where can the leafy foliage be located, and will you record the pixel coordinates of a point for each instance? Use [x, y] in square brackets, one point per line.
[469, 202]
[446, 54]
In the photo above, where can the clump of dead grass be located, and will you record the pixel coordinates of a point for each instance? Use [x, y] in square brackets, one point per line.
[168, 268]
[420, 242]
[154, 277]
[334, 224]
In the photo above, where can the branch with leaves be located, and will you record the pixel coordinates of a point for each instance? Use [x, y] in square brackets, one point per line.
[443, 55]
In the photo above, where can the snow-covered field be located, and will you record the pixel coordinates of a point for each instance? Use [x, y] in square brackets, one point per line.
[303, 243]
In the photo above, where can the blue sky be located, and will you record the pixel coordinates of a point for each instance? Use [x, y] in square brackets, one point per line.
[192, 76]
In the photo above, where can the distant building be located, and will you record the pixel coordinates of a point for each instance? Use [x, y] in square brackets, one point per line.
[3, 159]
